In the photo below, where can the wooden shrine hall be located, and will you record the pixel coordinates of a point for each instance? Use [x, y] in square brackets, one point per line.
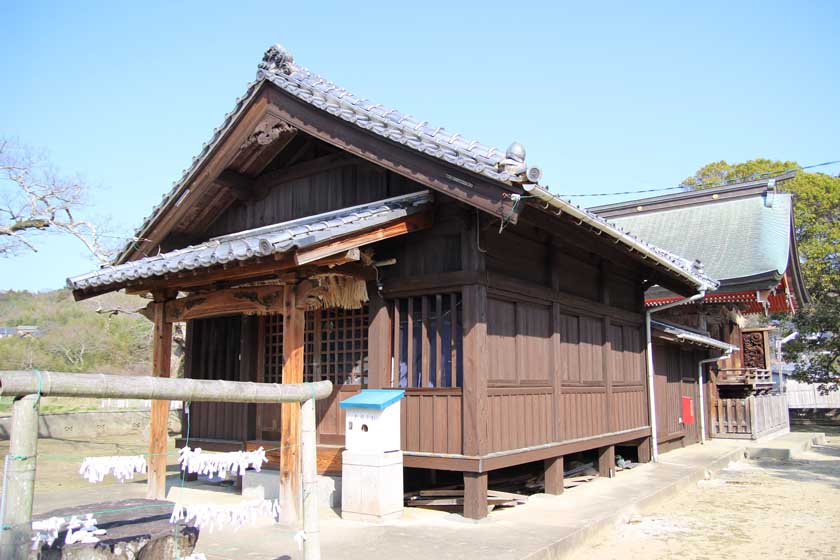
[321, 236]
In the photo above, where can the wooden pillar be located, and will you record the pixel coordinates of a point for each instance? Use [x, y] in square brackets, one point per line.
[379, 340]
[554, 475]
[644, 450]
[606, 461]
[159, 417]
[476, 442]
[293, 324]
[475, 495]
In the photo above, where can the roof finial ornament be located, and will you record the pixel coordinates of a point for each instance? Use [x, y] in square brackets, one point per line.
[276, 59]
[514, 165]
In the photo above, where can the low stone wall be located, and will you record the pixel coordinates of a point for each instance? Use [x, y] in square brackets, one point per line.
[93, 424]
[829, 417]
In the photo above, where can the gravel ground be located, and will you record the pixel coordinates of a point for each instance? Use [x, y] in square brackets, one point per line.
[765, 509]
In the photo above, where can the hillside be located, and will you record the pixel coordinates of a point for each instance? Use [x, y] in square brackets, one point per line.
[86, 336]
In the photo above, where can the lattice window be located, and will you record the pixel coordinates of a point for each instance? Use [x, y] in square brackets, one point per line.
[335, 346]
[428, 341]
[273, 349]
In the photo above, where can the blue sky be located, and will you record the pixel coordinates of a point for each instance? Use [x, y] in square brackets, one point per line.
[605, 97]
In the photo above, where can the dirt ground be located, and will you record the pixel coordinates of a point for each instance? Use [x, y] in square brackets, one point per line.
[59, 460]
[766, 509]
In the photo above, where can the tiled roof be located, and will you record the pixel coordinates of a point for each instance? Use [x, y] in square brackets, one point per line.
[739, 240]
[259, 242]
[279, 68]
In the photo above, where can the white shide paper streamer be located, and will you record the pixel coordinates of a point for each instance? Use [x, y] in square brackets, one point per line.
[217, 465]
[212, 516]
[78, 530]
[95, 469]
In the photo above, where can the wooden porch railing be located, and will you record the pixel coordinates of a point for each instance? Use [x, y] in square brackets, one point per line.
[744, 376]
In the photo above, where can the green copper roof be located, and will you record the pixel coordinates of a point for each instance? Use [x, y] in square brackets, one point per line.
[738, 240]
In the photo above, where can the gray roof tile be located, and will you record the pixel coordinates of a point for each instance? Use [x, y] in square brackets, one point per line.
[259, 242]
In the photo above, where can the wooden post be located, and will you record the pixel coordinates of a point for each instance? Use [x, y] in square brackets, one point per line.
[554, 475]
[475, 495]
[643, 451]
[476, 364]
[379, 340]
[293, 323]
[19, 479]
[309, 451]
[606, 461]
[159, 417]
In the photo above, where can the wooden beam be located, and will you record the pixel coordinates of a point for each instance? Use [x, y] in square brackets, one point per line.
[159, 416]
[405, 225]
[290, 467]
[475, 495]
[554, 475]
[260, 300]
[643, 451]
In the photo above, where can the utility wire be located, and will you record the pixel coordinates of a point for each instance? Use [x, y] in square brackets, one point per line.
[769, 175]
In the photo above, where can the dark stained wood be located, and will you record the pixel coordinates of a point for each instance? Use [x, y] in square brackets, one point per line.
[554, 475]
[643, 450]
[476, 361]
[475, 495]
[425, 343]
[606, 461]
[454, 181]
[379, 340]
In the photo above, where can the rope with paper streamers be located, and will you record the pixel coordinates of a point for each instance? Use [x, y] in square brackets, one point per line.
[218, 465]
[95, 469]
[212, 516]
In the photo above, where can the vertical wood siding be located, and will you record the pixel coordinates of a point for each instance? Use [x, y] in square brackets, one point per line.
[215, 355]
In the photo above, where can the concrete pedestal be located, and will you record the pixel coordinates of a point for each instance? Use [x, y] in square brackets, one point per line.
[372, 485]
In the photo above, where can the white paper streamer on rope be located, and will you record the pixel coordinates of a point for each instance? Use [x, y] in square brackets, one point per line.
[217, 465]
[212, 516]
[95, 469]
[78, 530]
[46, 530]
[194, 556]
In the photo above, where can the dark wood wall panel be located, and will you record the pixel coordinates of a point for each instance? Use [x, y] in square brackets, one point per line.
[583, 413]
[331, 189]
[629, 409]
[520, 418]
[501, 341]
[431, 421]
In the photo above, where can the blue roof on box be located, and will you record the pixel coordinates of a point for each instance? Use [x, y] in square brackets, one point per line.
[377, 399]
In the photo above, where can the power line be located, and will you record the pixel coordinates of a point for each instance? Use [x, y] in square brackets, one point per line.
[768, 175]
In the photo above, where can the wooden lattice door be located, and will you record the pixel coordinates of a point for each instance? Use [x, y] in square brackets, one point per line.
[335, 348]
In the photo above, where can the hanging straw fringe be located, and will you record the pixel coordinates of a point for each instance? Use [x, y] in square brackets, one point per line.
[339, 291]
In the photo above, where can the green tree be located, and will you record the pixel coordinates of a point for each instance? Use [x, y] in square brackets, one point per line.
[816, 351]
[816, 209]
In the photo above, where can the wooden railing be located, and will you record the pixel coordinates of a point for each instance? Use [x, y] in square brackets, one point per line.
[748, 418]
[744, 376]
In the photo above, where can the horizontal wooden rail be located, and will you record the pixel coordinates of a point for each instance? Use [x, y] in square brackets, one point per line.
[102, 385]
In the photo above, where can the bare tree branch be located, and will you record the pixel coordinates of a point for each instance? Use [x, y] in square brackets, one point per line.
[35, 199]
